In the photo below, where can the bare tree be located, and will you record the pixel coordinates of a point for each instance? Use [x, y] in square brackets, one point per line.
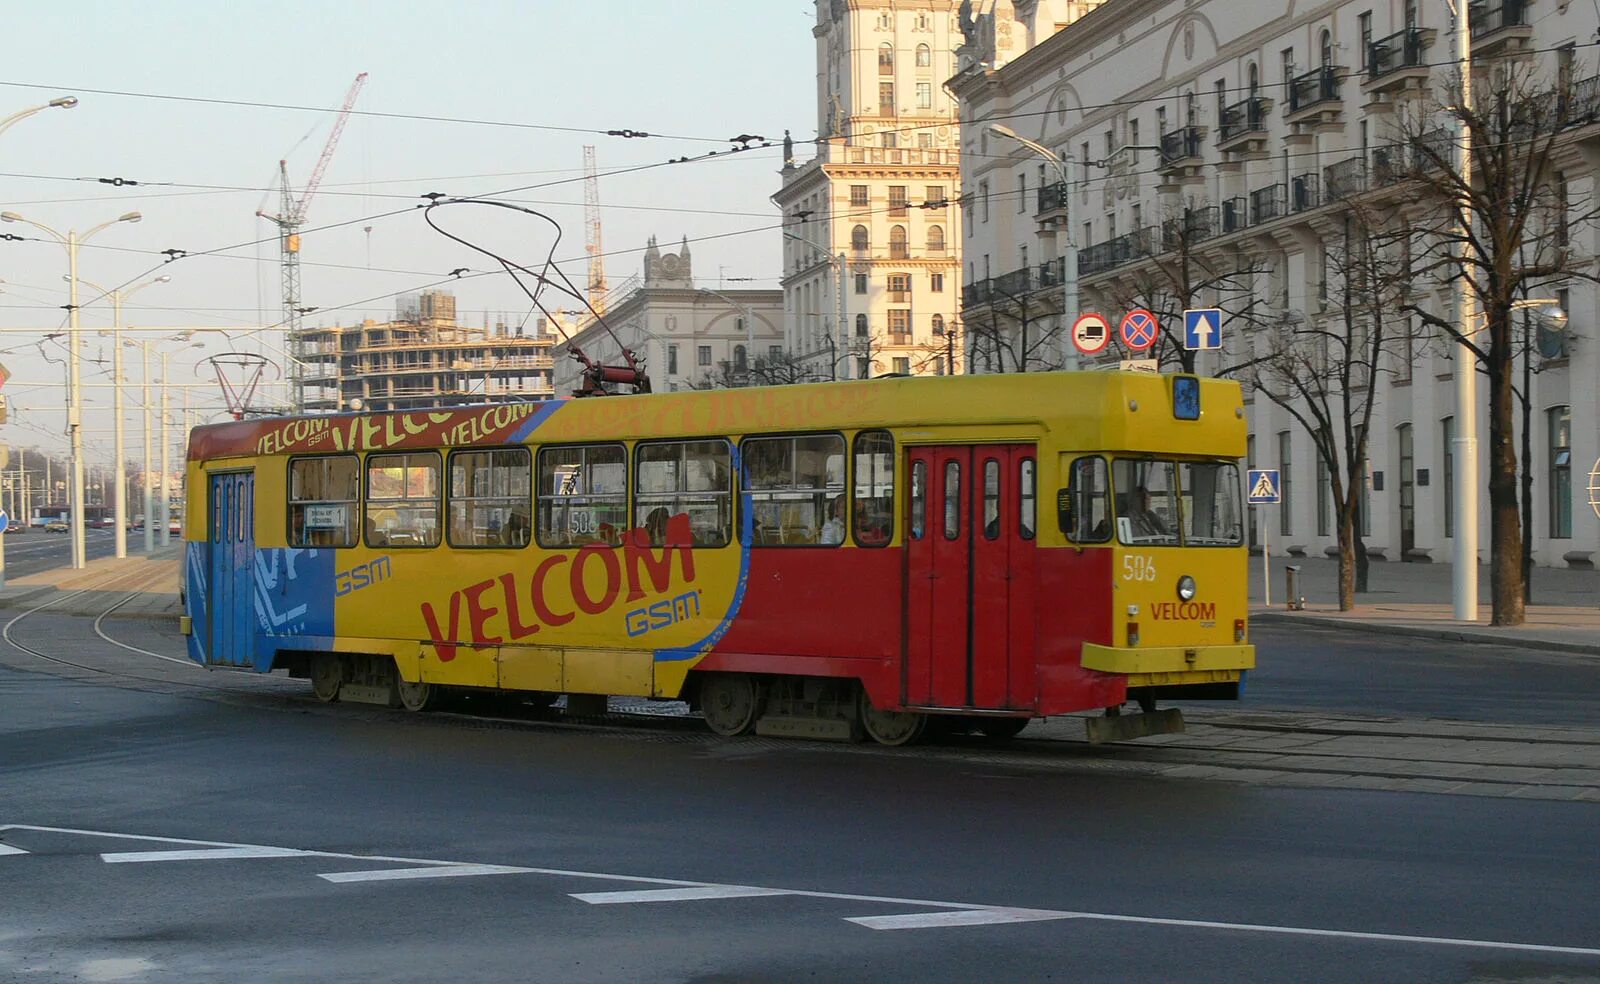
[1018, 334]
[1504, 232]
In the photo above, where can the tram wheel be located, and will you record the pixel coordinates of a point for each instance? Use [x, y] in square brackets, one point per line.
[327, 676]
[890, 727]
[419, 696]
[1002, 729]
[729, 703]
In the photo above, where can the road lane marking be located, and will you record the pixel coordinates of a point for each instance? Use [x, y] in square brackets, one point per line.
[211, 854]
[407, 874]
[8, 849]
[959, 917]
[678, 894]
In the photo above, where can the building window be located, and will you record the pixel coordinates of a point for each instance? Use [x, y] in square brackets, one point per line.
[1364, 23]
[1324, 496]
[897, 243]
[1559, 425]
[863, 369]
[1288, 71]
[1022, 191]
[888, 139]
[1286, 507]
[938, 324]
[936, 283]
[858, 196]
[1447, 426]
[703, 355]
[886, 59]
[491, 498]
[899, 323]
[935, 195]
[860, 241]
[899, 288]
[775, 353]
[1325, 50]
[886, 101]
[861, 326]
[924, 95]
[861, 283]
[924, 56]
[1133, 140]
[672, 360]
[924, 140]
[692, 478]
[897, 200]
[323, 500]
[402, 500]
[740, 359]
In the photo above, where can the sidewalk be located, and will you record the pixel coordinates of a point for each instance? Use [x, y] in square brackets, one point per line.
[1415, 600]
[152, 582]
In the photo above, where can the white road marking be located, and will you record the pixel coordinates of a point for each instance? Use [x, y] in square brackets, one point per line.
[8, 849]
[959, 917]
[679, 894]
[212, 854]
[959, 908]
[406, 874]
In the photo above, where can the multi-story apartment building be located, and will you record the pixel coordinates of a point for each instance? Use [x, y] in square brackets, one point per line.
[423, 358]
[1241, 136]
[871, 282]
[684, 336]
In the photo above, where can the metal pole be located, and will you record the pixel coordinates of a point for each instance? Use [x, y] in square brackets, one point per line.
[1266, 562]
[1464, 556]
[119, 500]
[1069, 271]
[840, 329]
[149, 504]
[75, 497]
[164, 500]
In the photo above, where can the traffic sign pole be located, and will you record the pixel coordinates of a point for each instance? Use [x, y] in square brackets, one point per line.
[1266, 560]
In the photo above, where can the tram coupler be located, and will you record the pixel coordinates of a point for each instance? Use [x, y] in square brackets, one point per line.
[1126, 727]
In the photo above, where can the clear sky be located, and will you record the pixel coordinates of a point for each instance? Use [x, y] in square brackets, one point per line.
[707, 69]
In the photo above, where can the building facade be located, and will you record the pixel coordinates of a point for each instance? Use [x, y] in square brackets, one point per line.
[1217, 135]
[871, 279]
[423, 358]
[685, 336]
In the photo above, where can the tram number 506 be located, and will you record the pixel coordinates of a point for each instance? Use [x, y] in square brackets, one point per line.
[1138, 568]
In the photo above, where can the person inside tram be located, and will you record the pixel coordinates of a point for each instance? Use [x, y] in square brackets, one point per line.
[514, 532]
[833, 529]
[1144, 519]
[655, 526]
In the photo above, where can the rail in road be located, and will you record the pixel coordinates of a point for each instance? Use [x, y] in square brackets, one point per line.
[1269, 748]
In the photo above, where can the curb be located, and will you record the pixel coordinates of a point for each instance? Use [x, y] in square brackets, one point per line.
[1418, 632]
[16, 596]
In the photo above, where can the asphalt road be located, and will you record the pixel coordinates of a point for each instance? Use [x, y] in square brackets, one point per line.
[1311, 668]
[36, 550]
[803, 861]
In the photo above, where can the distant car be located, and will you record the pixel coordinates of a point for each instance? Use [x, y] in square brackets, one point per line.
[105, 523]
[175, 527]
[16, 528]
[56, 526]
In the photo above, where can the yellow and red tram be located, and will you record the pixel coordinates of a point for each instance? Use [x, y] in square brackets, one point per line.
[823, 559]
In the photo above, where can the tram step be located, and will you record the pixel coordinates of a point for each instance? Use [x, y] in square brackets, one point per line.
[822, 729]
[368, 693]
[1129, 726]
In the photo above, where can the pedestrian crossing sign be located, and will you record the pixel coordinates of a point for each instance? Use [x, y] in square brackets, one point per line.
[1264, 488]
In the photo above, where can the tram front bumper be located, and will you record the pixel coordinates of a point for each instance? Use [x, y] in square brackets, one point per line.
[1165, 666]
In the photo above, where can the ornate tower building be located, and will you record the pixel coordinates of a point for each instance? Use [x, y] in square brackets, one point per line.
[871, 257]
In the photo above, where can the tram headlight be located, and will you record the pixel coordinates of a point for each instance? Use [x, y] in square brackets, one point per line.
[1186, 588]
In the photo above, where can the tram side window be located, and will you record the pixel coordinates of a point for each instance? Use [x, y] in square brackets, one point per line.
[583, 495]
[1087, 516]
[403, 500]
[490, 498]
[796, 489]
[692, 478]
[1147, 501]
[1028, 498]
[323, 494]
[919, 499]
[874, 498]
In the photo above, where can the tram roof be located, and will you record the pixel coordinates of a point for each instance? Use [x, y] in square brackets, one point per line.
[1089, 410]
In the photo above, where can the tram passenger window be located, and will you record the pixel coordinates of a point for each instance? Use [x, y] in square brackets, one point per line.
[323, 499]
[1027, 499]
[1147, 501]
[991, 499]
[919, 499]
[692, 478]
[403, 500]
[1211, 513]
[796, 489]
[952, 500]
[491, 498]
[583, 495]
[874, 498]
[1087, 516]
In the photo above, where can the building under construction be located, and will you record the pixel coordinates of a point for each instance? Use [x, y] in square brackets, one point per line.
[422, 359]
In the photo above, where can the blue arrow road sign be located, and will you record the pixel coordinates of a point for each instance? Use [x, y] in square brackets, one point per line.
[1264, 487]
[1202, 329]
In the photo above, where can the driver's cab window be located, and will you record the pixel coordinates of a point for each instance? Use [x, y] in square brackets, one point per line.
[1087, 516]
[1147, 502]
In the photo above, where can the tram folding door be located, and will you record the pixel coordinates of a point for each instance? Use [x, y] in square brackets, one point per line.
[971, 577]
[231, 543]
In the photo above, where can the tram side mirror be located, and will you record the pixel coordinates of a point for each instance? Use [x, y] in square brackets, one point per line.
[1064, 510]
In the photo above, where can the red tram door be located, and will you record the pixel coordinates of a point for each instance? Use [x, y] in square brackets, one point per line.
[971, 577]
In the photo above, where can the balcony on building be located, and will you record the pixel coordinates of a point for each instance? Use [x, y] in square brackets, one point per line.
[980, 292]
[1345, 178]
[1267, 204]
[1181, 152]
[1235, 214]
[1052, 272]
[1244, 126]
[1017, 283]
[1395, 62]
[1305, 192]
[1053, 201]
[1314, 98]
[1500, 27]
[1127, 248]
[1193, 227]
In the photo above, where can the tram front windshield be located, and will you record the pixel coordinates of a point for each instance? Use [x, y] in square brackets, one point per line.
[1177, 503]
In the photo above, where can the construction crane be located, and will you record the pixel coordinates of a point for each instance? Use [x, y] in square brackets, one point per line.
[591, 231]
[289, 221]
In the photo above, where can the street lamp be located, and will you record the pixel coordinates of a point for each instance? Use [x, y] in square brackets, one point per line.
[120, 497]
[74, 390]
[60, 102]
[1067, 246]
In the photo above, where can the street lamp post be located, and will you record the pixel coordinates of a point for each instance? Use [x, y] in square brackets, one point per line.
[74, 388]
[120, 495]
[1067, 247]
[61, 102]
[1464, 556]
[1551, 314]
